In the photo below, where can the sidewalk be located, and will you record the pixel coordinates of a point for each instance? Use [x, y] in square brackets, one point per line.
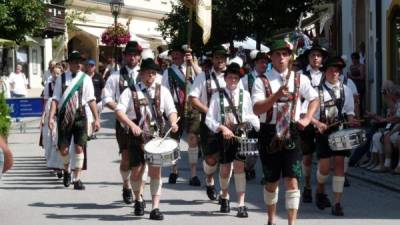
[386, 180]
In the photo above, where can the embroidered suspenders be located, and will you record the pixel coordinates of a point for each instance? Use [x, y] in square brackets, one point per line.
[208, 85]
[339, 103]
[238, 114]
[268, 93]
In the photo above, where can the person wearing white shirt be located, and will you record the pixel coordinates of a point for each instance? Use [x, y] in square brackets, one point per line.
[178, 82]
[115, 85]
[230, 108]
[47, 74]
[73, 91]
[201, 91]
[337, 105]
[276, 99]
[315, 56]
[133, 109]
[18, 83]
[260, 60]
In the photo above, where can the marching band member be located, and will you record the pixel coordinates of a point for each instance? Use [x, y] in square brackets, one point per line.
[315, 56]
[72, 92]
[201, 91]
[117, 82]
[276, 98]
[174, 79]
[230, 109]
[260, 60]
[336, 104]
[141, 109]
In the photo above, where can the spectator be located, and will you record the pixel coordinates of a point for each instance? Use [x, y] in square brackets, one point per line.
[6, 157]
[357, 74]
[98, 84]
[47, 73]
[18, 83]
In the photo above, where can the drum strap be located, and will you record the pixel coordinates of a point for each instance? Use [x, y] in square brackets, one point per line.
[339, 102]
[238, 115]
[136, 103]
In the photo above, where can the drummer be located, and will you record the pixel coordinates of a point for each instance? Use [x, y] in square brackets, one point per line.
[336, 105]
[230, 111]
[174, 79]
[141, 108]
[203, 87]
[315, 56]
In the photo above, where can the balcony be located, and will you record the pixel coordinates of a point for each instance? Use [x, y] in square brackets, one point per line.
[56, 21]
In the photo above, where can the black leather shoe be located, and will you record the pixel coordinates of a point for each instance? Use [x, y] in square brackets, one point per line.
[127, 195]
[269, 223]
[337, 210]
[242, 212]
[78, 185]
[155, 214]
[322, 201]
[225, 208]
[194, 181]
[172, 178]
[211, 192]
[67, 179]
[59, 174]
[139, 208]
[307, 195]
[346, 181]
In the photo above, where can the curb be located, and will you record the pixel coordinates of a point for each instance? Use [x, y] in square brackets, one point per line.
[364, 178]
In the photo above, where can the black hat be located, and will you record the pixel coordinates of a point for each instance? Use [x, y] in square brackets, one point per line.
[219, 50]
[336, 61]
[260, 55]
[316, 47]
[176, 48]
[133, 47]
[233, 68]
[74, 55]
[148, 64]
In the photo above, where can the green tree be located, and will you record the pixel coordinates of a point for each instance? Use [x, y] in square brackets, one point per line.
[20, 17]
[5, 121]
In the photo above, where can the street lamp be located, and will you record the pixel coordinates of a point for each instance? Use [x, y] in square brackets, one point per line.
[115, 6]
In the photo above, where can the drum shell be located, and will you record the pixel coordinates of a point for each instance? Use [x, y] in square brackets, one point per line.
[168, 157]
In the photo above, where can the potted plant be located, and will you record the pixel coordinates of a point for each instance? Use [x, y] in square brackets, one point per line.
[117, 35]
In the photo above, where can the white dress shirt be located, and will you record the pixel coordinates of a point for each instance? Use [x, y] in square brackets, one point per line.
[19, 81]
[348, 106]
[213, 118]
[125, 103]
[350, 84]
[199, 86]
[111, 89]
[87, 89]
[275, 80]
[316, 76]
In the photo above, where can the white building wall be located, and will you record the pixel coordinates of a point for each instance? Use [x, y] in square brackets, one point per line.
[372, 61]
[347, 29]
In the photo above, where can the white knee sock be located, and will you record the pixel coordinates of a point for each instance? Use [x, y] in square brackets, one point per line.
[271, 198]
[155, 186]
[79, 158]
[337, 184]
[124, 174]
[240, 182]
[193, 155]
[292, 199]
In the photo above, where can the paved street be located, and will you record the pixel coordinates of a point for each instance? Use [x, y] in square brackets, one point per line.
[31, 195]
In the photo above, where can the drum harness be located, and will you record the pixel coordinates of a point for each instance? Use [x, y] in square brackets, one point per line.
[338, 102]
[154, 105]
[276, 143]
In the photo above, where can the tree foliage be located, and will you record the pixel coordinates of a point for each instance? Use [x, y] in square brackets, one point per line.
[20, 17]
[235, 20]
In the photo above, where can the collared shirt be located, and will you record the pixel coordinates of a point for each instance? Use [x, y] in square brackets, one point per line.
[316, 76]
[275, 80]
[348, 107]
[19, 81]
[125, 103]
[245, 79]
[350, 84]
[87, 88]
[111, 89]
[181, 72]
[199, 86]
[213, 118]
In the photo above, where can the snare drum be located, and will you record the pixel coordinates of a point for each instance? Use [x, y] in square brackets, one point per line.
[347, 139]
[247, 146]
[158, 152]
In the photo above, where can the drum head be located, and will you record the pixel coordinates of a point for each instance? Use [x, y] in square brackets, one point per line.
[157, 145]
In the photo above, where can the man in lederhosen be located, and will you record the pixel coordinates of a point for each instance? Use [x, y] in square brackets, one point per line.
[141, 108]
[260, 61]
[336, 105]
[276, 98]
[117, 82]
[72, 92]
[202, 89]
[230, 113]
[315, 56]
[175, 80]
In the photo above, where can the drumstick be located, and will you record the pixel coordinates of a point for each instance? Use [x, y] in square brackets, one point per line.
[334, 124]
[169, 131]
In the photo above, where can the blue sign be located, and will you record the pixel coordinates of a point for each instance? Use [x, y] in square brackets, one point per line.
[25, 107]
